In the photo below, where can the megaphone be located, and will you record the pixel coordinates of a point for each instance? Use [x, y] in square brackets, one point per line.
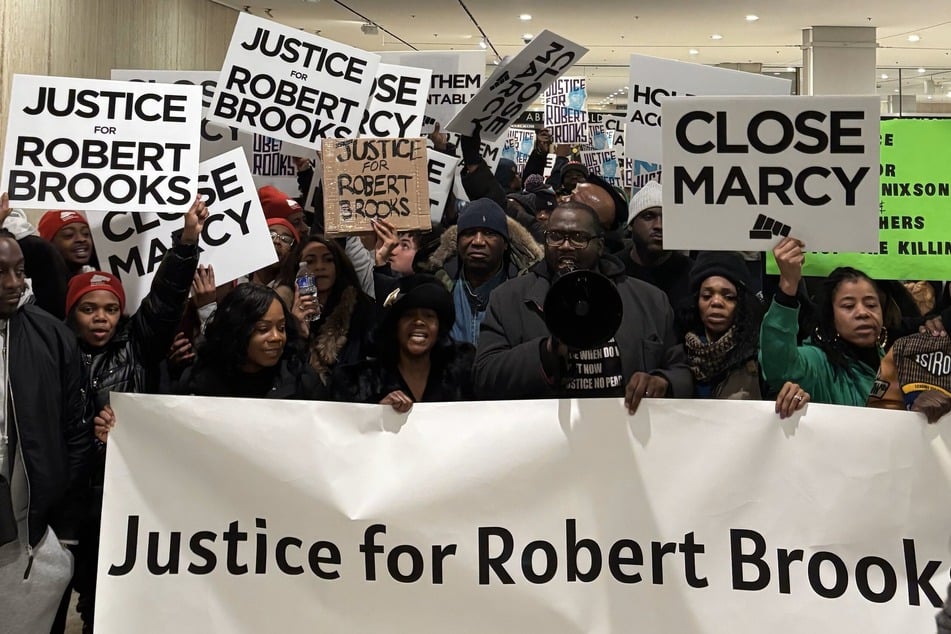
[583, 309]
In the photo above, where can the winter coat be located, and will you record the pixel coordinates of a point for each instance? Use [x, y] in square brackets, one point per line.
[344, 334]
[130, 361]
[782, 360]
[44, 397]
[508, 363]
[450, 378]
[290, 380]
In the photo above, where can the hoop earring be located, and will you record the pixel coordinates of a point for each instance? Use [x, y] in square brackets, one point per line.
[883, 337]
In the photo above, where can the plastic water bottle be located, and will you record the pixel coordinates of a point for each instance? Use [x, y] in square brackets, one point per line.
[307, 285]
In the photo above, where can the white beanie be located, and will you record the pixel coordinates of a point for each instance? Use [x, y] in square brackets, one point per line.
[646, 197]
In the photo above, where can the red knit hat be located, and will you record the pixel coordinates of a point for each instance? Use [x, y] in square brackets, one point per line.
[286, 224]
[53, 221]
[277, 204]
[84, 283]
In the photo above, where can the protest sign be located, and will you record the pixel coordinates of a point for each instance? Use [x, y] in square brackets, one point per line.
[271, 165]
[914, 210]
[242, 511]
[566, 110]
[288, 84]
[516, 84]
[235, 239]
[743, 172]
[598, 135]
[314, 200]
[441, 170]
[456, 77]
[604, 163]
[397, 102]
[88, 144]
[616, 126]
[368, 179]
[215, 139]
[652, 79]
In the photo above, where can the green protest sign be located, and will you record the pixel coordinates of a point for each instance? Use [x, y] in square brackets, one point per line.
[914, 208]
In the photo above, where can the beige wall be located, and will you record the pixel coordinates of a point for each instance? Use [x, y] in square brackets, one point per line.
[88, 38]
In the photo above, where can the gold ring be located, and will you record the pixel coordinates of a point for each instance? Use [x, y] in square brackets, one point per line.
[798, 397]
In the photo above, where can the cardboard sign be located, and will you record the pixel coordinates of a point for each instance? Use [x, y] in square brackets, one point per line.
[88, 144]
[215, 139]
[397, 102]
[604, 163]
[566, 110]
[652, 79]
[441, 171]
[366, 179]
[235, 239]
[914, 222]
[540, 516]
[456, 78]
[516, 84]
[288, 84]
[742, 172]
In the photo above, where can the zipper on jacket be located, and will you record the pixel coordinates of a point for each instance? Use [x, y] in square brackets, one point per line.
[26, 473]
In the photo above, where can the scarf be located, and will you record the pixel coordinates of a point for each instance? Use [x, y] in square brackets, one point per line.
[332, 335]
[708, 359]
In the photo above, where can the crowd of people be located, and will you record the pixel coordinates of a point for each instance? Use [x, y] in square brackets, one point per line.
[454, 314]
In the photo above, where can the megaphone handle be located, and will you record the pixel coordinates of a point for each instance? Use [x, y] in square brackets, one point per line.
[554, 357]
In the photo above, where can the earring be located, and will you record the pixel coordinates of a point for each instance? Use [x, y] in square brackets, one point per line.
[883, 337]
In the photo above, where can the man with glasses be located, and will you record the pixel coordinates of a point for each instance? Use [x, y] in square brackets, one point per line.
[519, 358]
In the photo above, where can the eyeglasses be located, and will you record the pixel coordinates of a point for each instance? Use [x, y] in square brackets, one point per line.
[576, 240]
[288, 240]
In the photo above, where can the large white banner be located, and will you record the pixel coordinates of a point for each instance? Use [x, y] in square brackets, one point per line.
[215, 139]
[288, 84]
[511, 517]
[515, 84]
[652, 79]
[235, 239]
[743, 172]
[456, 77]
[92, 144]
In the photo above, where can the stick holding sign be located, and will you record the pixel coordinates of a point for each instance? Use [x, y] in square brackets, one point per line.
[742, 172]
[89, 144]
[367, 179]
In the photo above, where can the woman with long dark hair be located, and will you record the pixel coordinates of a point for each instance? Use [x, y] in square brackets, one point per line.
[252, 348]
[839, 363]
[722, 322]
[347, 316]
[417, 361]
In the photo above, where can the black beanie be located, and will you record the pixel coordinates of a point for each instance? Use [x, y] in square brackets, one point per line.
[484, 213]
[728, 264]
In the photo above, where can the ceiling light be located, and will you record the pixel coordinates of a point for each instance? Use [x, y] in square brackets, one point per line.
[896, 90]
[716, 36]
[525, 17]
[482, 43]
[752, 18]
[790, 69]
[922, 70]
[914, 38]
[930, 97]
[693, 51]
[527, 37]
[884, 76]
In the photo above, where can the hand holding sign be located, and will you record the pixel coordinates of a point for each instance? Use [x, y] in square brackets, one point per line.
[4, 208]
[440, 139]
[194, 221]
[203, 286]
[790, 257]
[386, 241]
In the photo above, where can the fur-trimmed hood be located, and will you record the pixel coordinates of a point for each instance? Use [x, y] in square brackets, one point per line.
[521, 254]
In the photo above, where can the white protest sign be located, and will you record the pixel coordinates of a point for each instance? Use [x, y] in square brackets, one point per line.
[291, 85]
[604, 163]
[550, 160]
[598, 133]
[743, 172]
[314, 199]
[516, 84]
[441, 173]
[215, 139]
[566, 110]
[271, 164]
[89, 143]
[456, 77]
[616, 126]
[397, 102]
[242, 511]
[235, 239]
[492, 151]
[652, 79]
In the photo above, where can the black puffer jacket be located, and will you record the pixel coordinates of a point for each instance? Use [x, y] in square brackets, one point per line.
[129, 362]
[57, 446]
